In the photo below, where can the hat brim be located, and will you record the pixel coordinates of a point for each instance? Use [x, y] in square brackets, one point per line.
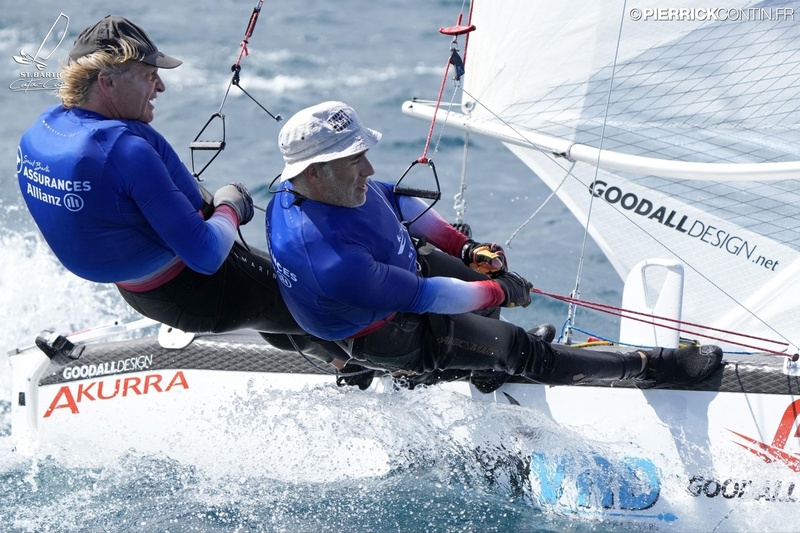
[161, 60]
[361, 142]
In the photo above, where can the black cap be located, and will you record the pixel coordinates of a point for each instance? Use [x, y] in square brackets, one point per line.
[106, 35]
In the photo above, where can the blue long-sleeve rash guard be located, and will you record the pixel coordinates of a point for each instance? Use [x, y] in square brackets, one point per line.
[343, 269]
[113, 200]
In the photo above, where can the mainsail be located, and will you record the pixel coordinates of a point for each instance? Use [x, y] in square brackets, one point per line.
[670, 133]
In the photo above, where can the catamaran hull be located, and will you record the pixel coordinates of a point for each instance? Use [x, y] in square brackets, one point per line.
[669, 460]
[663, 459]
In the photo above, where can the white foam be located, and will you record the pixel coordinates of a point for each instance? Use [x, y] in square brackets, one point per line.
[37, 293]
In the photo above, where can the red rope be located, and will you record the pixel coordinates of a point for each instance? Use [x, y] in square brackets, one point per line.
[249, 33]
[458, 29]
[651, 319]
[424, 158]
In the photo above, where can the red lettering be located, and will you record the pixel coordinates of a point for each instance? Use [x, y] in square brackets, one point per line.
[132, 384]
[100, 390]
[178, 379]
[69, 402]
[152, 381]
[786, 425]
[84, 391]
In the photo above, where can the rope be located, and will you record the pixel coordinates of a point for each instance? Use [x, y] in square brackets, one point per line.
[455, 60]
[538, 209]
[249, 33]
[568, 172]
[243, 51]
[651, 319]
[218, 146]
[424, 157]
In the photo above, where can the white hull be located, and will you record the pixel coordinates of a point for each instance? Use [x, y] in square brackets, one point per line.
[671, 460]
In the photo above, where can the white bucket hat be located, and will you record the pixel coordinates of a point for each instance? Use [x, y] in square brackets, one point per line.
[321, 133]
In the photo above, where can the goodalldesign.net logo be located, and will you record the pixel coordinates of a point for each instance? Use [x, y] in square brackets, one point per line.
[39, 77]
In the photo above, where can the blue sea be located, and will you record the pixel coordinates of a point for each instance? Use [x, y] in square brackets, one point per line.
[430, 477]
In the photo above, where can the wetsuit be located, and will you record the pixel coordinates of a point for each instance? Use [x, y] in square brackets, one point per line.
[115, 204]
[351, 273]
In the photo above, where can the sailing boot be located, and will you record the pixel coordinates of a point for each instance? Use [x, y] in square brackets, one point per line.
[565, 365]
[488, 381]
[558, 364]
[679, 367]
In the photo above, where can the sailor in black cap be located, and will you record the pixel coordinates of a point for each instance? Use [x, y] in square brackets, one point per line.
[116, 204]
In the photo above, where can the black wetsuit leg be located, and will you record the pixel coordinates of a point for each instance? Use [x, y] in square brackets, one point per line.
[242, 294]
[307, 344]
[424, 343]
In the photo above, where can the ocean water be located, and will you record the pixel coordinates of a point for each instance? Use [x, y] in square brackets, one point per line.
[424, 475]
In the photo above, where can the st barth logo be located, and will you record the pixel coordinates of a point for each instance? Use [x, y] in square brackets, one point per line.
[42, 78]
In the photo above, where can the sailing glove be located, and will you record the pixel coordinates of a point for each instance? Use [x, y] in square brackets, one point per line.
[236, 196]
[516, 288]
[488, 258]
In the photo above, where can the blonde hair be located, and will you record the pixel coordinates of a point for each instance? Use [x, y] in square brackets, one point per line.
[79, 75]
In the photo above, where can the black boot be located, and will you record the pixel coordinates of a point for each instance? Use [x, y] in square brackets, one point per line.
[488, 381]
[557, 364]
[680, 367]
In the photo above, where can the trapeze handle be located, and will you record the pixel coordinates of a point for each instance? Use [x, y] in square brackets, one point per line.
[419, 193]
[207, 145]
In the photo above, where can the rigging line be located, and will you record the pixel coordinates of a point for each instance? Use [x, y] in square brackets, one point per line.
[603, 307]
[688, 264]
[217, 146]
[568, 172]
[522, 136]
[617, 311]
[576, 291]
[243, 51]
[554, 158]
[460, 199]
[605, 341]
[444, 125]
[424, 157]
[458, 64]
[793, 357]
[538, 209]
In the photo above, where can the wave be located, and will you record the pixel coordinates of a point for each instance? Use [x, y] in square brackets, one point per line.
[323, 458]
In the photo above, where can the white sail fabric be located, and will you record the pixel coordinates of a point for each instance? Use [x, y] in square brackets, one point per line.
[718, 94]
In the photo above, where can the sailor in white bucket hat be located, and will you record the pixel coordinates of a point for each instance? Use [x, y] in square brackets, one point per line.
[323, 133]
[349, 272]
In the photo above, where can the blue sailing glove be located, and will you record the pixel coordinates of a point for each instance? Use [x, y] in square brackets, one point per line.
[236, 196]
